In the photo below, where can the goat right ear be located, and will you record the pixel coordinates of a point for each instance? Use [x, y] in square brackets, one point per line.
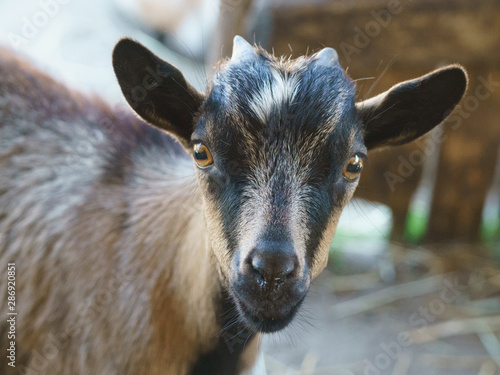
[156, 90]
[411, 108]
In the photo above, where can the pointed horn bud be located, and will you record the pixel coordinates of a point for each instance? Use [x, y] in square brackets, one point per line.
[327, 56]
[242, 50]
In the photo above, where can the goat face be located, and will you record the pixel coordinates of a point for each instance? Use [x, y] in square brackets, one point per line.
[279, 146]
[280, 134]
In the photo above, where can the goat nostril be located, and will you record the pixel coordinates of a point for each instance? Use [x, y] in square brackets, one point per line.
[273, 267]
[259, 265]
[288, 267]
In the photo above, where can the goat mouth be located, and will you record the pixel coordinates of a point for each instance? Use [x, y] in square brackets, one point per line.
[264, 319]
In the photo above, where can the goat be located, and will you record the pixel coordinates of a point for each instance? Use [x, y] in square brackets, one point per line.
[167, 243]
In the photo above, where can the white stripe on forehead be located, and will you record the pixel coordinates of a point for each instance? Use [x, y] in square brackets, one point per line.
[282, 89]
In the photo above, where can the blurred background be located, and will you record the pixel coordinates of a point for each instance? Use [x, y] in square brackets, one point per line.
[413, 282]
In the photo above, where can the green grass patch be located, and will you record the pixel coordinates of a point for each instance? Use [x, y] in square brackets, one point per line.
[416, 224]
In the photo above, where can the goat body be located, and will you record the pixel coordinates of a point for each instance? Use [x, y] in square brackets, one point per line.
[101, 215]
[129, 260]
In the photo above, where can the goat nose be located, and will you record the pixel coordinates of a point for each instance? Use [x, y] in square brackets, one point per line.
[273, 263]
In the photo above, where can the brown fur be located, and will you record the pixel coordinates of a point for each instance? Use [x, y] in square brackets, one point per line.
[105, 268]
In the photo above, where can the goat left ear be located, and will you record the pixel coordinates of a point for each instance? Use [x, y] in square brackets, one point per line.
[411, 108]
[156, 90]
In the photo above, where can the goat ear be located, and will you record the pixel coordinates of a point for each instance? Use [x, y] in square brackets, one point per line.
[411, 108]
[156, 90]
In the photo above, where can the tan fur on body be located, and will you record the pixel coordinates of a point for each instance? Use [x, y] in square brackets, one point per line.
[104, 268]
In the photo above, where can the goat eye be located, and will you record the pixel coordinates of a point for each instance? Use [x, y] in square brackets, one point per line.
[202, 156]
[353, 168]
